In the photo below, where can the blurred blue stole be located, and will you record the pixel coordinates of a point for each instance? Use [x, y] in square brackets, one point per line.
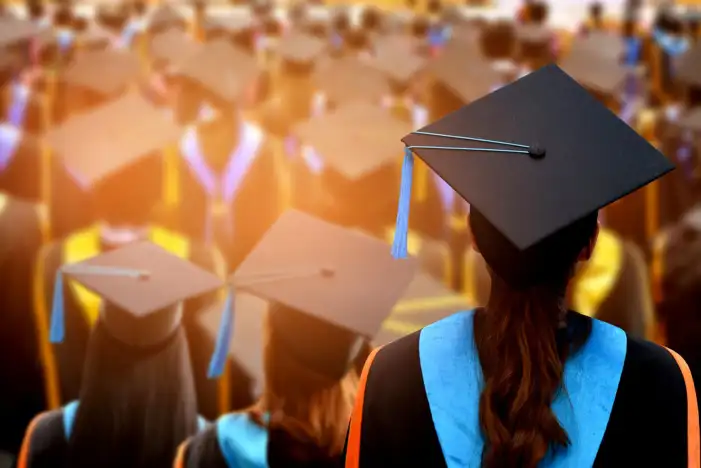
[10, 138]
[19, 98]
[221, 189]
[453, 382]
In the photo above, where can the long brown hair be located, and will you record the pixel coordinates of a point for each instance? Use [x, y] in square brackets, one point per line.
[310, 407]
[516, 336]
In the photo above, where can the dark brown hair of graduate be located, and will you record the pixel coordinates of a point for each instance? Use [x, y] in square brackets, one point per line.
[136, 406]
[517, 341]
[309, 411]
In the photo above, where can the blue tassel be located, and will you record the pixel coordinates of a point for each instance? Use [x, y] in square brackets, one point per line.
[58, 328]
[226, 327]
[401, 231]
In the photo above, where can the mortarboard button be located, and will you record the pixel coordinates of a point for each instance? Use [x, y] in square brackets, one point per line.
[593, 158]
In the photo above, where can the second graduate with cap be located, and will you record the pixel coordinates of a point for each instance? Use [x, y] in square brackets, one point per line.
[122, 168]
[523, 381]
[137, 397]
[329, 290]
[229, 185]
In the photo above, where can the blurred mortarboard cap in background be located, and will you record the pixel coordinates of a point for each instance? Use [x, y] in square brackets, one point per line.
[602, 44]
[143, 286]
[688, 70]
[601, 75]
[222, 69]
[15, 32]
[301, 51]
[551, 155]
[465, 73]
[172, 47]
[106, 72]
[166, 16]
[99, 144]
[399, 61]
[349, 79]
[325, 298]
[355, 140]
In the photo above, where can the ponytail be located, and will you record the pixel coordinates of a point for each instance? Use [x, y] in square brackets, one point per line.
[523, 370]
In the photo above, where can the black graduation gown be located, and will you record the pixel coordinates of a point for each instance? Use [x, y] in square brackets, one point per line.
[638, 417]
[236, 440]
[613, 287]
[63, 363]
[46, 440]
[21, 173]
[20, 239]
[249, 200]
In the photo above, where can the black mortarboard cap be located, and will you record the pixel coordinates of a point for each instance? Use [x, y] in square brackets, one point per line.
[99, 144]
[691, 120]
[349, 79]
[355, 140]
[164, 17]
[603, 76]
[94, 38]
[424, 302]
[399, 63]
[222, 69]
[551, 155]
[602, 44]
[142, 285]
[15, 31]
[106, 72]
[301, 51]
[172, 47]
[465, 73]
[688, 69]
[324, 277]
[229, 25]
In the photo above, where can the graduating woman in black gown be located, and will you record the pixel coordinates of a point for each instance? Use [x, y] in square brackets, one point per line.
[524, 382]
[137, 398]
[122, 216]
[312, 347]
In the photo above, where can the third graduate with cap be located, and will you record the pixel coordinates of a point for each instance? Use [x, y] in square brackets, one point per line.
[122, 170]
[573, 391]
[229, 179]
[137, 398]
[329, 291]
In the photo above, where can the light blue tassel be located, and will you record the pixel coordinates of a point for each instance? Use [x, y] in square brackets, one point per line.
[401, 231]
[58, 328]
[226, 327]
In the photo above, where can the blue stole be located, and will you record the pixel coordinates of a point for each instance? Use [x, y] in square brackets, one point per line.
[20, 95]
[10, 137]
[453, 382]
[71, 409]
[243, 443]
[221, 190]
[64, 38]
[632, 50]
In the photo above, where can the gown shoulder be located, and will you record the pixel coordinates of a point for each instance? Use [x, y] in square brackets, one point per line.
[44, 442]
